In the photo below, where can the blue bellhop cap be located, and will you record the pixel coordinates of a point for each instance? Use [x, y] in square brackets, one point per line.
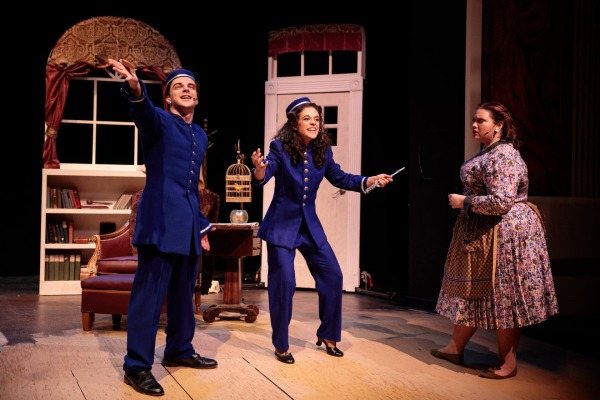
[178, 73]
[296, 103]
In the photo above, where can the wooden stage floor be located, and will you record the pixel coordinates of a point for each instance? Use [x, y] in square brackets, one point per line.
[45, 354]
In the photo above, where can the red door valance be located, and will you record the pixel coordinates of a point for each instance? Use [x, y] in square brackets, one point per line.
[327, 37]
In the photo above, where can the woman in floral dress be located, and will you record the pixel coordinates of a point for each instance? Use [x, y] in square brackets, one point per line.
[497, 273]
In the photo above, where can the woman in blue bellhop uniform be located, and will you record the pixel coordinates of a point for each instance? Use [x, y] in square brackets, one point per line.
[300, 156]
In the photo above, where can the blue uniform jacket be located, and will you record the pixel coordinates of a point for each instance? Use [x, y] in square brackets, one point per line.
[296, 192]
[169, 214]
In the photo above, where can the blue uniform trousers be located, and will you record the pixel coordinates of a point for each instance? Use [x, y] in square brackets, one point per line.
[159, 274]
[324, 268]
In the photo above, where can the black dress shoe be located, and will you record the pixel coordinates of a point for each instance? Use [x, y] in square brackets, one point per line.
[457, 359]
[144, 382]
[286, 358]
[331, 350]
[195, 361]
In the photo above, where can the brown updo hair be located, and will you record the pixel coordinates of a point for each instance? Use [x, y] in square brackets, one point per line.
[500, 113]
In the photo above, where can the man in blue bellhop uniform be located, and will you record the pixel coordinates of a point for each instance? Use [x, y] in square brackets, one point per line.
[170, 231]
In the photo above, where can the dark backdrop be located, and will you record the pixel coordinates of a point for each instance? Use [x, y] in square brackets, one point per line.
[437, 98]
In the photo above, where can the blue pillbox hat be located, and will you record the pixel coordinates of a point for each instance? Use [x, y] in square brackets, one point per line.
[296, 103]
[178, 73]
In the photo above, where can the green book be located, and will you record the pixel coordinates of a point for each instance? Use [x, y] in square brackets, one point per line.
[78, 265]
[73, 272]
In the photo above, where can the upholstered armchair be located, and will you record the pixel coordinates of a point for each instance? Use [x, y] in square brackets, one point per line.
[112, 267]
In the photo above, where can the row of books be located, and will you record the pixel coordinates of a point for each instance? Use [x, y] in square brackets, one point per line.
[62, 267]
[60, 231]
[58, 197]
[69, 198]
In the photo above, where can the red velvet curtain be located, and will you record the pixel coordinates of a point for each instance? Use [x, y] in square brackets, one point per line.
[57, 86]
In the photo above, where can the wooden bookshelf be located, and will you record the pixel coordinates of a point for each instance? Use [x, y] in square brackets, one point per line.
[99, 183]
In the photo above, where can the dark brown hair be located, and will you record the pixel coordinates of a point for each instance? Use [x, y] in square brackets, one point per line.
[288, 134]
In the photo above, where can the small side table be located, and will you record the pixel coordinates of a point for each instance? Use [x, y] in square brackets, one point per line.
[233, 242]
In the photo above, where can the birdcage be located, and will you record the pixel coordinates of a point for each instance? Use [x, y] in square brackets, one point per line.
[238, 187]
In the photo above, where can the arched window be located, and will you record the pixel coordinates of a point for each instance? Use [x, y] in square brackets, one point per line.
[82, 93]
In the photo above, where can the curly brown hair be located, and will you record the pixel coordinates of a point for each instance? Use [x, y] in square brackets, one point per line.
[288, 134]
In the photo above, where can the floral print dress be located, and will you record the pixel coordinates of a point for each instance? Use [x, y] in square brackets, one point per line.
[523, 287]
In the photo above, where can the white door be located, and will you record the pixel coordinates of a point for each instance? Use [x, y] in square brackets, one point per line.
[338, 210]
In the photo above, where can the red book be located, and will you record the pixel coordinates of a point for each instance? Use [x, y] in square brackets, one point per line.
[75, 196]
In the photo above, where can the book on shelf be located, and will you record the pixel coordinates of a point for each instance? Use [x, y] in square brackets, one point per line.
[54, 197]
[50, 238]
[55, 267]
[95, 206]
[65, 229]
[59, 203]
[50, 233]
[75, 196]
[127, 205]
[48, 263]
[60, 230]
[52, 268]
[55, 236]
[72, 267]
[124, 202]
[55, 232]
[57, 262]
[64, 198]
[77, 266]
[62, 202]
[58, 265]
[70, 202]
[71, 230]
[64, 268]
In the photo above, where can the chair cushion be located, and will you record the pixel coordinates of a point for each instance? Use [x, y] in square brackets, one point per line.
[120, 282]
[117, 265]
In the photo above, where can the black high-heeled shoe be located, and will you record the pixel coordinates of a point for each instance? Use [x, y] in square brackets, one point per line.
[285, 357]
[331, 350]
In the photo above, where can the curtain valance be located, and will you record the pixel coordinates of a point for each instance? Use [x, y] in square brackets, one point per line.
[327, 37]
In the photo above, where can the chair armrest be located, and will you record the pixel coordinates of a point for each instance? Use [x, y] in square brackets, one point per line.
[113, 244]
